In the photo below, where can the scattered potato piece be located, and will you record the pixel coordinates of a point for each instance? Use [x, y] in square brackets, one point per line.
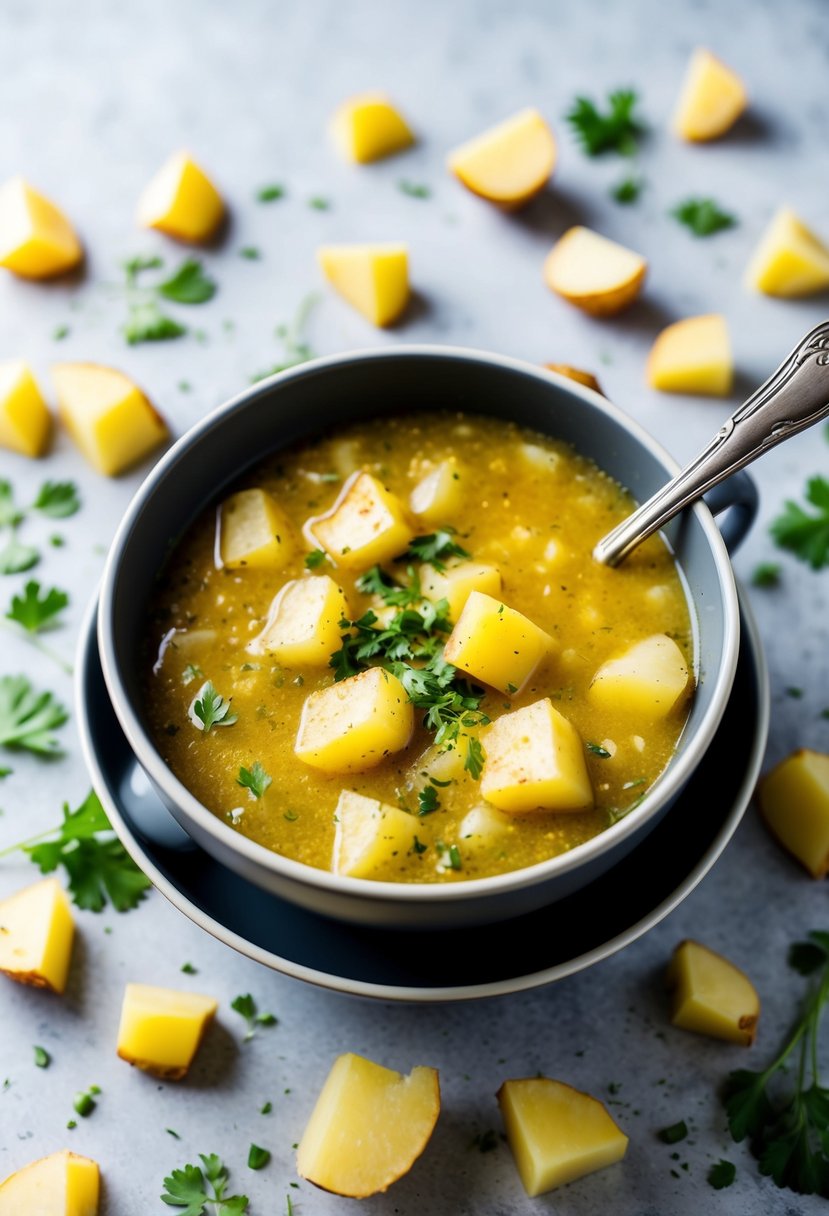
[367, 524]
[456, 583]
[161, 1029]
[557, 1134]
[496, 644]
[794, 800]
[36, 239]
[711, 100]
[790, 259]
[595, 274]
[374, 279]
[108, 416]
[535, 761]
[369, 1126]
[353, 725]
[62, 1184]
[368, 127]
[712, 996]
[438, 497]
[36, 935]
[369, 833]
[303, 624]
[648, 679]
[254, 532]
[693, 356]
[577, 374]
[182, 201]
[25, 421]
[510, 163]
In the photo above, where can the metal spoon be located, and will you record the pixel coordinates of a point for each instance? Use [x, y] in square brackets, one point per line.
[793, 398]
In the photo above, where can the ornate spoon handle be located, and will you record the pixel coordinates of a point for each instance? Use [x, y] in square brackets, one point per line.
[793, 398]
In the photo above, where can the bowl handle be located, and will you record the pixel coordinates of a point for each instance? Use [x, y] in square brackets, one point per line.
[738, 496]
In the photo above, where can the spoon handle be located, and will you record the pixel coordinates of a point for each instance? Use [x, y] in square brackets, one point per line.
[794, 397]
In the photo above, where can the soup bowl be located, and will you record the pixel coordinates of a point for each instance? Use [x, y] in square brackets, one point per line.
[317, 398]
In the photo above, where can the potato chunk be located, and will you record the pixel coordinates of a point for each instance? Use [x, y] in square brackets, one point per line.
[693, 356]
[794, 801]
[368, 127]
[711, 100]
[647, 680]
[595, 274]
[367, 524]
[711, 996]
[790, 259]
[181, 201]
[456, 583]
[36, 239]
[374, 279]
[303, 624]
[496, 644]
[510, 163]
[352, 726]
[161, 1029]
[25, 420]
[535, 761]
[483, 825]
[36, 935]
[108, 416]
[369, 1126]
[369, 834]
[254, 532]
[63, 1184]
[557, 1134]
[439, 496]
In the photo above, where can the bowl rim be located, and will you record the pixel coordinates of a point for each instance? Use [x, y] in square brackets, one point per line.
[257, 855]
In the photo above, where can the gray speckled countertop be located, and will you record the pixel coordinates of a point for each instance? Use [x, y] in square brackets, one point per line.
[94, 96]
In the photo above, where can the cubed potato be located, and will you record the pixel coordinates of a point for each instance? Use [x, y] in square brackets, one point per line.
[254, 532]
[456, 583]
[161, 1029]
[484, 825]
[794, 801]
[368, 127]
[790, 259]
[540, 459]
[352, 726]
[693, 356]
[366, 525]
[63, 1184]
[557, 1134]
[107, 416]
[594, 273]
[648, 680]
[711, 100]
[496, 644]
[368, 835]
[25, 420]
[368, 1127]
[36, 935]
[374, 279]
[535, 761]
[303, 624]
[182, 201]
[510, 163]
[37, 241]
[711, 996]
[576, 373]
[438, 497]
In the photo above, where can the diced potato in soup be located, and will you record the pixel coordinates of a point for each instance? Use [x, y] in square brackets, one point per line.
[366, 525]
[253, 531]
[368, 834]
[303, 624]
[535, 759]
[648, 679]
[438, 497]
[496, 644]
[456, 583]
[353, 726]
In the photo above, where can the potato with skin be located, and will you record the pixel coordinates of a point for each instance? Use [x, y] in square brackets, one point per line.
[369, 833]
[161, 1029]
[106, 414]
[37, 241]
[303, 624]
[366, 525]
[794, 802]
[535, 761]
[368, 127]
[37, 931]
[182, 201]
[595, 274]
[693, 356]
[352, 726]
[63, 1184]
[510, 163]
[254, 532]
[712, 99]
[496, 644]
[711, 996]
[368, 1127]
[25, 420]
[649, 679]
[374, 279]
[790, 260]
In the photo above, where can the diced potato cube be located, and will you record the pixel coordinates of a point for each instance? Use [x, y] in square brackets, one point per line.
[182, 201]
[369, 834]
[108, 416]
[712, 996]
[790, 259]
[535, 761]
[254, 532]
[647, 680]
[596, 274]
[577, 374]
[439, 496]
[712, 98]
[25, 421]
[161, 1029]
[540, 459]
[508, 164]
[368, 127]
[353, 725]
[483, 825]
[368, 1127]
[374, 279]
[692, 356]
[63, 1184]
[456, 583]
[794, 800]
[36, 935]
[496, 644]
[366, 525]
[557, 1134]
[303, 624]
[36, 239]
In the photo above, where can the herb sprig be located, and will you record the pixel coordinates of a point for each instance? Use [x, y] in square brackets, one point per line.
[615, 130]
[802, 533]
[703, 216]
[27, 718]
[188, 284]
[254, 779]
[203, 1189]
[209, 708]
[246, 1007]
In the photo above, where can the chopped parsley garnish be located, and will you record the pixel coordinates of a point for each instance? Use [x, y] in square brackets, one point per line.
[245, 1006]
[171, 1131]
[318, 203]
[802, 533]
[450, 703]
[627, 191]
[84, 1102]
[254, 779]
[147, 323]
[674, 1133]
[210, 708]
[57, 499]
[270, 193]
[142, 261]
[766, 574]
[60, 332]
[450, 856]
[16, 558]
[35, 612]
[703, 216]
[250, 253]
[266, 1109]
[721, 1174]
[413, 189]
[410, 634]
[418, 847]
[615, 130]
[27, 718]
[428, 802]
[376, 582]
[434, 548]
[258, 1157]
[42, 1057]
[795, 693]
[474, 761]
[596, 749]
[188, 285]
[191, 672]
[315, 558]
[202, 1191]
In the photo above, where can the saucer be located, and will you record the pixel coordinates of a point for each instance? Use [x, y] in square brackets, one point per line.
[437, 965]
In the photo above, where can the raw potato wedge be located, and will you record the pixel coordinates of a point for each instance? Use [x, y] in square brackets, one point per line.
[557, 1134]
[693, 356]
[353, 725]
[508, 164]
[63, 1184]
[594, 273]
[369, 1126]
[711, 100]
[374, 279]
[161, 1029]
[366, 524]
[789, 260]
[107, 416]
[36, 239]
[496, 644]
[794, 801]
[578, 374]
[369, 833]
[535, 761]
[368, 127]
[711, 996]
[36, 935]
[182, 201]
[25, 420]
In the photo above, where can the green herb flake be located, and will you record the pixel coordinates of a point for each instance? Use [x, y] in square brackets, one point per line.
[721, 1174]
[474, 759]
[17, 558]
[188, 969]
[486, 1141]
[189, 284]
[418, 847]
[318, 203]
[802, 533]
[57, 499]
[203, 1190]
[766, 574]
[674, 1133]
[84, 1102]
[428, 801]
[413, 189]
[703, 216]
[250, 253]
[254, 779]
[245, 1006]
[209, 708]
[627, 191]
[454, 855]
[191, 672]
[258, 1157]
[615, 130]
[27, 718]
[33, 611]
[60, 332]
[42, 1057]
[596, 749]
[315, 558]
[266, 1109]
[146, 323]
[795, 693]
[270, 193]
[172, 1132]
[434, 548]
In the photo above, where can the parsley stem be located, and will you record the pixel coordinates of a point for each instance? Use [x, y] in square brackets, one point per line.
[38, 644]
[24, 844]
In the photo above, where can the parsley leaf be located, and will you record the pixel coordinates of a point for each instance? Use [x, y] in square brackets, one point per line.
[376, 582]
[615, 130]
[674, 1133]
[450, 703]
[27, 718]
[413, 189]
[147, 323]
[703, 216]
[187, 1188]
[315, 558]
[627, 191]
[258, 1157]
[803, 534]
[722, 1174]
[57, 499]
[474, 762]
[33, 612]
[596, 749]
[10, 515]
[245, 1006]
[254, 779]
[269, 194]
[434, 548]
[766, 574]
[42, 1057]
[16, 558]
[142, 261]
[428, 801]
[209, 708]
[188, 285]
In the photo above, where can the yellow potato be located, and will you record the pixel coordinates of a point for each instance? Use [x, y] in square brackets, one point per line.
[535, 761]
[182, 201]
[36, 239]
[25, 420]
[484, 827]
[456, 583]
[595, 274]
[510, 163]
[648, 679]
[161, 1029]
[711, 996]
[496, 644]
[366, 525]
[107, 416]
[62, 1184]
[439, 496]
[254, 532]
[353, 725]
[303, 624]
[369, 1126]
[577, 374]
[794, 801]
[790, 259]
[36, 935]
[374, 279]
[711, 100]
[557, 1134]
[368, 834]
[693, 356]
[368, 127]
